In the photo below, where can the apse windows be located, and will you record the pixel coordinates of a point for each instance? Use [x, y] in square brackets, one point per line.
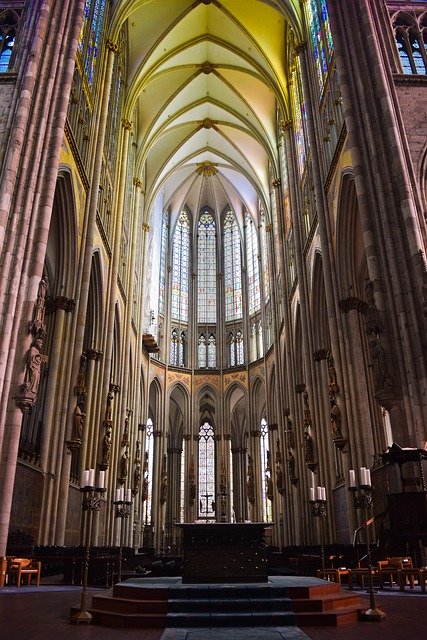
[321, 37]
[8, 24]
[181, 268]
[232, 269]
[411, 41]
[178, 344]
[252, 253]
[299, 115]
[90, 37]
[206, 501]
[236, 355]
[206, 272]
[163, 254]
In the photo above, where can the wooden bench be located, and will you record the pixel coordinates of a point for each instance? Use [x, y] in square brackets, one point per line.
[333, 575]
[388, 570]
[19, 567]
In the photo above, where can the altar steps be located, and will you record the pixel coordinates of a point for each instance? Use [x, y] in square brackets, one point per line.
[192, 606]
[325, 604]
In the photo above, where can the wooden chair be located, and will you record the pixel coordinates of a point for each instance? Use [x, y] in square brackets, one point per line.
[20, 567]
[388, 570]
[3, 569]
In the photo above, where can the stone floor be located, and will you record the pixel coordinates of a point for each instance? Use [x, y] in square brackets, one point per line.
[43, 614]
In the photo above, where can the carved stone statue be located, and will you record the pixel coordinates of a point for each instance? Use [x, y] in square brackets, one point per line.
[78, 422]
[80, 388]
[291, 464]
[335, 420]
[164, 481]
[144, 490]
[33, 370]
[307, 414]
[290, 433]
[333, 387]
[125, 436]
[136, 478]
[106, 444]
[109, 409]
[124, 465]
[308, 447]
[37, 325]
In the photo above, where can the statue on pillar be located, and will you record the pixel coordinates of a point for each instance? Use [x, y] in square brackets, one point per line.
[250, 486]
[37, 325]
[124, 466]
[164, 481]
[34, 361]
[78, 422]
[106, 446]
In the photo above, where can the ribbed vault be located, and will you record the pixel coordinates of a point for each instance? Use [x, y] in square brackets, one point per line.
[206, 82]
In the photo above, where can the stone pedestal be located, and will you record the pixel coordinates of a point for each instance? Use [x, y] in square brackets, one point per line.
[224, 552]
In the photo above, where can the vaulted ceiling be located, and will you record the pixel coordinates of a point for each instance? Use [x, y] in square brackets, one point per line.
[206, 79]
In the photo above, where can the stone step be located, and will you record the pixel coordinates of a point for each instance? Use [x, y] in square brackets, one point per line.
[232, 619]
[129, 606]
[234, 605]
[337, 617]
[326, 603]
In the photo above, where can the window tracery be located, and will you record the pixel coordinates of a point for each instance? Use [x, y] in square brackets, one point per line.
[411, 42]
[8, 29]
[206, 502]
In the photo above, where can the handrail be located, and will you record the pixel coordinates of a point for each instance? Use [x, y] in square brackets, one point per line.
[363, 526]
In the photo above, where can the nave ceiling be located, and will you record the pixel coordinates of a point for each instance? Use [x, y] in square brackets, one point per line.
[205, 81]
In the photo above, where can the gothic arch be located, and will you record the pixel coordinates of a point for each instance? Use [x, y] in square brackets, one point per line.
[235, 407]
[207, 406]
[351, 257]
[94, 312]
[259, 402]
[179, 404]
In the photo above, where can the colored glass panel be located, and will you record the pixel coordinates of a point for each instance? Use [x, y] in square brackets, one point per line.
[206, 472]
[163, 254]
[206, 301]
[253, 266]
[232, 269]
[180, 268]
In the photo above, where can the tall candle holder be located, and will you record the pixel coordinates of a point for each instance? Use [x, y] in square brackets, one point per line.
[318, 503]
[123, 501]
[91, 502]
[362, 494]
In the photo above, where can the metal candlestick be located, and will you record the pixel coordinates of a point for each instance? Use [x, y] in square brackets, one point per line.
[91, 502]
[122, 511]
[319, 511]
[363, 501]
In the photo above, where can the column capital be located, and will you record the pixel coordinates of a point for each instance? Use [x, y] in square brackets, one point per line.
[352, 304]
[301, 47]
[60, 302]
[112, 46]
[137, 183]
[146, 227]
[126, 124]
[93, 354]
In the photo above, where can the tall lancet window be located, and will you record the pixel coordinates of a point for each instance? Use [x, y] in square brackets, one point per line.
[266, 474]
[252, 253]
[299, 115]
[206, 271]
[8, 26]
[321, 37]
[232, 269]
[90, 36]
[180, 268]
[206, 472]
[163, 255]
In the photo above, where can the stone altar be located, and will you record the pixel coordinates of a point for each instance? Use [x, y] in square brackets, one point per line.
[224, 552]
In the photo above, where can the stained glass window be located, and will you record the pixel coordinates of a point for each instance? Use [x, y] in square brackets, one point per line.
[202, 349]
[232, 269]
[7, 39]
[180, 268]
[240, 356]
[321, 37]
[300, 116]
[163, 254]
[206, 472]
[211, 352]
[252, 253]
[411, 45]
[235, 348]
[148, 469]
[173, 358]
[90, 36]
[264, 254]
[206, 301]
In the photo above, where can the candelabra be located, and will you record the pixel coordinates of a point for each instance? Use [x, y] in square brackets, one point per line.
[318, 502]
[122, 503]
[91, 502]
[363, 500]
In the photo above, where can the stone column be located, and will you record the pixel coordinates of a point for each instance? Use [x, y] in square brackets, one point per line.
[57, 31]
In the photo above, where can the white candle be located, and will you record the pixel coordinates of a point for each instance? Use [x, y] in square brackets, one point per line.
[319, 493]
[101, 480]
[312, 494]
[323, 493]
[91, 478]
[117, 495]
[86, 478]
[128, 495]
[121, 494]
[362, 475]
[352, 475]
[368, 477]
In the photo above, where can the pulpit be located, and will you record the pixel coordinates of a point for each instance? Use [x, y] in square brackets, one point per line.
[224, 552]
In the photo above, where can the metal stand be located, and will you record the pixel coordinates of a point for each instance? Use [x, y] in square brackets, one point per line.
[319, 511]
[122, 512]
[363, 501]
[91, 502]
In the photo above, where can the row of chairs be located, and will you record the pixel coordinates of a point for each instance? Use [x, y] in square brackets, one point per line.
[16, 570]
[397, 569]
